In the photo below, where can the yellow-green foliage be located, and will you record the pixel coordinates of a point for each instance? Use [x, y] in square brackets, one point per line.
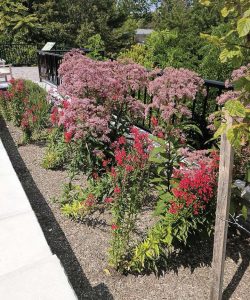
[139, 54]
[56, 151]
[52, 159]
[73, 210]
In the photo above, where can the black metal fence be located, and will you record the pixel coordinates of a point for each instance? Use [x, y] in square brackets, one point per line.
[202, 107]
[48, 64]
[19, 54]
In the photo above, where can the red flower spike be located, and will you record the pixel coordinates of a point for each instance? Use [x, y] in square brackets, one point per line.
[67, 136]
[196, 186]
[54, 115]
[65, 104]
[160, 135]
[120, 156]
[114, 227]
[154, 121]
[113, 172]
[90, 200]
[129, 168]
[95, 175]
[108, 200]
[117, 190]
[105, 163]
[122, 140]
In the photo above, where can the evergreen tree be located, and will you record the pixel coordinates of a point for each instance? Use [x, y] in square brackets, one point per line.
[15, 19]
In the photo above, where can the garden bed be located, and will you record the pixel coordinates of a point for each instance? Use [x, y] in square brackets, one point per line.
[82, 247]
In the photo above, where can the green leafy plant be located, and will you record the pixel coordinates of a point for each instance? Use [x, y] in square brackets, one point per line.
[56, 151]
[26, 105]
[130, 190]
[5, 109]
[239, 11]
[238, 109]
[95, 44]
[153, 52]
[79, 201]
[187, 209]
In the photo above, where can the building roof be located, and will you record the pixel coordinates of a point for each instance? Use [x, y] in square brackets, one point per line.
[142, 31]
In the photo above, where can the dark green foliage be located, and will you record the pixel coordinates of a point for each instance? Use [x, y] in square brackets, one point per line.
[71, 23]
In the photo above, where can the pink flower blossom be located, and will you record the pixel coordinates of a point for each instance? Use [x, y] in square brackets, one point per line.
[229, 95]
[173, 90]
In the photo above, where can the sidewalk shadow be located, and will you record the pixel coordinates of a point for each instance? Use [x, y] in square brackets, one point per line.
[53, 233]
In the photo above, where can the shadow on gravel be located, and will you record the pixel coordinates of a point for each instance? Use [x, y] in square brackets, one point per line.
[237, 248]
[54, 235]
[200, 254]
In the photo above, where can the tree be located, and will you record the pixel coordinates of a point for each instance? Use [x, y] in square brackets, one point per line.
[236, 51]
[135, 8]
[238, 11]
[188, 19]
[56, 25]
[15, 18]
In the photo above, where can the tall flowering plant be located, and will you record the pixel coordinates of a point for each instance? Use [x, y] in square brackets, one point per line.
[98, 102]
[84, 130]
[25, 104]
[173, 94]
[110, 84]
[174, 91]
[5, 105]
[187, 209]
[131, 175]
[14, 99]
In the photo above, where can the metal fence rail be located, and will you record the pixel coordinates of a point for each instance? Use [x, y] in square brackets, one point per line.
[48, 64]
[19, 54]
[202, 107]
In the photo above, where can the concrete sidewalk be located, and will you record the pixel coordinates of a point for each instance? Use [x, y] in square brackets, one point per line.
[30, 73]
[28, 269]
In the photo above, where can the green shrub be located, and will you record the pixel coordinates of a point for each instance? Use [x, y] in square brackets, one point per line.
[56, 150]
[25, 104]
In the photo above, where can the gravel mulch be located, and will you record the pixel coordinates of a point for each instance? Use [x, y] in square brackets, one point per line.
[82, 249]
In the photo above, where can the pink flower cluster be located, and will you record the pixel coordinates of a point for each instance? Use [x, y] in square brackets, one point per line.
[109, 83]
[173, 90]
[95, 92]
[80, 118]
[229, 95]
[237, 74]
[193, 158]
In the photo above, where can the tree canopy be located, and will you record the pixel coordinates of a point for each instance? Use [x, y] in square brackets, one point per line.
[187, 33]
